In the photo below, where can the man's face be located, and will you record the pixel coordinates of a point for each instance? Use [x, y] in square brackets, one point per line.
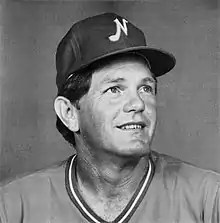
[118, 115]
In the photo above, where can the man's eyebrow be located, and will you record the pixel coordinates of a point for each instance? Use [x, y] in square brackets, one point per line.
[150, 80]
[113, 80]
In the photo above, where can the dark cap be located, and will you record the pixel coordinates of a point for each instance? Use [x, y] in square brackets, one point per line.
[101, 36]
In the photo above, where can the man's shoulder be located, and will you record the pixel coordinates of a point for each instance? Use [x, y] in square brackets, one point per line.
[174, 168]
[35, 180]
[37, 197]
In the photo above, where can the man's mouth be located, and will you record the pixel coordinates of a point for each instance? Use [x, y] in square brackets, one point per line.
[132, 126]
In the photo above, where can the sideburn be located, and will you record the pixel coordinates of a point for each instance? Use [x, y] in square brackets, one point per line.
[77, 105]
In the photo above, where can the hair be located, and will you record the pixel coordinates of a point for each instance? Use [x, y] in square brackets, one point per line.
[78, 85]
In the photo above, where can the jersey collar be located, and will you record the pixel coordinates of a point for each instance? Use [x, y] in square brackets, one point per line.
[87, 212]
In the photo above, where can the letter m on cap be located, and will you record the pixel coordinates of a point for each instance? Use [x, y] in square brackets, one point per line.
[119, 27]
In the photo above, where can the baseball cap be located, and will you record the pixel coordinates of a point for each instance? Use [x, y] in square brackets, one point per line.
[101, 36]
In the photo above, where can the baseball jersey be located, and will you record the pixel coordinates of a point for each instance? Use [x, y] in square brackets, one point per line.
[171, 191]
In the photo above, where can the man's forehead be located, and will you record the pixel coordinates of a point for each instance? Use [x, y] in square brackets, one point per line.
[118, 71]
[110, 79]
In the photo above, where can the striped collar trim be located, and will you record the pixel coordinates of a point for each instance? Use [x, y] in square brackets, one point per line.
[87, 212]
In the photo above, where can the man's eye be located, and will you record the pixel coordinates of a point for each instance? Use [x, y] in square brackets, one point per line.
[147, 88]
[114, 90]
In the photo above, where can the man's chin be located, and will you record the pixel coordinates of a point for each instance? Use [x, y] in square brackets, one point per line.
[135, 149]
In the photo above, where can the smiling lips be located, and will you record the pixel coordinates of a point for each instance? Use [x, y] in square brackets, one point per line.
[132, 126]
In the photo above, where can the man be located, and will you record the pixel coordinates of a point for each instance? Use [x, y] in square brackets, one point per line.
[106, 108]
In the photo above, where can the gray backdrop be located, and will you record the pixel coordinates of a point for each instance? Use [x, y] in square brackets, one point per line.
[188, 97]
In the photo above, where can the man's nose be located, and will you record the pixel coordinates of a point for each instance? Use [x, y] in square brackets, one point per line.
[134, 103]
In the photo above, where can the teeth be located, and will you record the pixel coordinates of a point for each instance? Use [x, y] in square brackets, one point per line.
[132, 127]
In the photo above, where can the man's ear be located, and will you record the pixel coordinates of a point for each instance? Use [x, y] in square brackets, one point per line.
[67, 113]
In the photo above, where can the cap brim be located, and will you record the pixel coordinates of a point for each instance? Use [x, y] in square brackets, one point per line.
[161, 62]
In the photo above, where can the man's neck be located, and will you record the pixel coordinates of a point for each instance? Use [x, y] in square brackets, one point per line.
[108, 177]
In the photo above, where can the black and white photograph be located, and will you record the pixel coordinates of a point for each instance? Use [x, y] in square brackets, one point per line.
[109, 111]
